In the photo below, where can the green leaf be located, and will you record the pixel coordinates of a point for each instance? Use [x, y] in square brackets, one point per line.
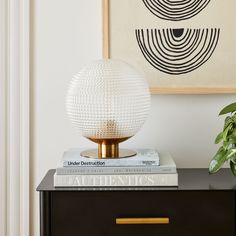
[233, 118]
[228, 121]
[219, 138]
[230, 153]
[234, 133]
[228, 109]
[232, 139]
[218, 160]
[226, 144]
[233, 159]
[233, 168]
[226, 132]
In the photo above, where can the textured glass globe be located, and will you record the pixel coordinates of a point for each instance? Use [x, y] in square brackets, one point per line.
[108, 99]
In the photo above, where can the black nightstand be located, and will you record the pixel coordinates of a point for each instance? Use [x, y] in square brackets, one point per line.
[201, 205]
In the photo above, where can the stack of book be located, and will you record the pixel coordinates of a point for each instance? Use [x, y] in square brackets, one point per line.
[148, 168]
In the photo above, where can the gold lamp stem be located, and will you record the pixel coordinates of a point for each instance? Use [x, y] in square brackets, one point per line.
[108, 150]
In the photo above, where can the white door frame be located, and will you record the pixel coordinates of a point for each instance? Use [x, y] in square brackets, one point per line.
[2, 118]
[14, 118]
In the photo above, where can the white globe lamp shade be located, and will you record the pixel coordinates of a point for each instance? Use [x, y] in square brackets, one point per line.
[108, 101]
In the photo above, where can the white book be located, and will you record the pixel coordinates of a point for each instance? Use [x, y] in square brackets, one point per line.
[144, 157]
[167, 165]
[132, 180]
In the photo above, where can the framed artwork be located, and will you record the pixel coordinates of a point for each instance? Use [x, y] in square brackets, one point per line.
[181, 46]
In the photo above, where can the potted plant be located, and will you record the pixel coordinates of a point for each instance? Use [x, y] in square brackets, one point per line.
[227, 138]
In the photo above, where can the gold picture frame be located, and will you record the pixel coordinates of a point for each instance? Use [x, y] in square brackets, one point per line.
[164, 89]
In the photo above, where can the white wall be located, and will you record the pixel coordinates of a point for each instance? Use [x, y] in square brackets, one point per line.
[65, 35]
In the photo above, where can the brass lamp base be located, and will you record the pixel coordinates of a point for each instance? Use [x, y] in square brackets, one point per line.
[108, 148]
[93, 153]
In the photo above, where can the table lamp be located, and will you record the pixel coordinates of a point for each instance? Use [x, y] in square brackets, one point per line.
[108, 101]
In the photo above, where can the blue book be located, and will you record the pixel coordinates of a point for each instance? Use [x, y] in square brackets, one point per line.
[144, 157]
[167, 165]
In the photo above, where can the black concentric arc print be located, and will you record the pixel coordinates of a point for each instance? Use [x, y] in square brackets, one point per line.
[177, 51]
[175, 10]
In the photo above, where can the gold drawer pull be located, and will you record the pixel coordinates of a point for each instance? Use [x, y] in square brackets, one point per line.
[142, 221]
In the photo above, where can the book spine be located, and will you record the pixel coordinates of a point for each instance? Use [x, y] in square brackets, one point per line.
[115, 170]
[115, 180]
[120, 162]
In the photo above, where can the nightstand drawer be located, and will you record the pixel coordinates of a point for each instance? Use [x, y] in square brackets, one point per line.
[184, 212]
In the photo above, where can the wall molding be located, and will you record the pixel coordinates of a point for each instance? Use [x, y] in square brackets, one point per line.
[14, 116]
[3, 33]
